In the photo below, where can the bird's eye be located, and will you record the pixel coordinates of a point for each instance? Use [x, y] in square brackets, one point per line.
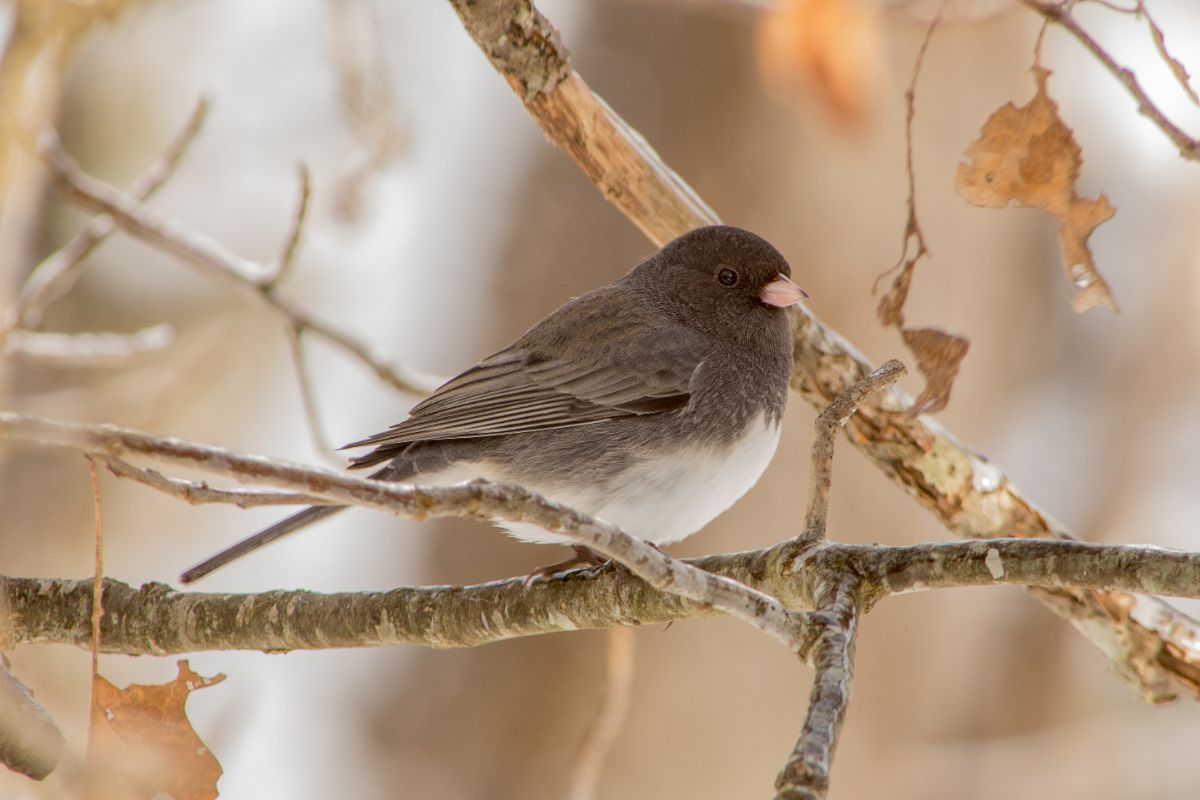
[727, 277]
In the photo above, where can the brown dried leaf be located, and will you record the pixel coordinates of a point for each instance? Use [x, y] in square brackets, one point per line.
[891, 306]
[938, 356]
[830, 49]
[1029, 155]
[141, 743]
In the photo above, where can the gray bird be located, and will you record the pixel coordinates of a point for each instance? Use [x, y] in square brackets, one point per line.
[653, 403]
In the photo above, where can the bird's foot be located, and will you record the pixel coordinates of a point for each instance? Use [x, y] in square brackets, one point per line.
[585, 563]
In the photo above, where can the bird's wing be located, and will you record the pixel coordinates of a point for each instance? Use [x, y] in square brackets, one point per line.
[627, 365]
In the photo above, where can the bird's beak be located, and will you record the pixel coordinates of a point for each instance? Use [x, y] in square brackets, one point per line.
[782, 292]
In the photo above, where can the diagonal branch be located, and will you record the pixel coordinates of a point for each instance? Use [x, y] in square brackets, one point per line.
[1060, 14]
[966, 494]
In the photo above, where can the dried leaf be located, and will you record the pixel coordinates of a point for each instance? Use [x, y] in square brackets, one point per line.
[1029, 155]
[830, 49]
[938, 356]
[142, 744]
[891, 306]
[1177, 68]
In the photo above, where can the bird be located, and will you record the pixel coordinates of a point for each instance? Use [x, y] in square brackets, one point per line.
[653, 403]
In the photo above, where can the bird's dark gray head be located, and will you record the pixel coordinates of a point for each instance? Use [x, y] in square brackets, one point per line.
[718, 278]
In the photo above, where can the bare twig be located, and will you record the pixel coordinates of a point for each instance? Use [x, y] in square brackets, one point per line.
[829, 422]
[585, 776]
[912, 229]
[30, 741]
[308, 397]
[57, 273]
[213, 259]
[1060, 14]
[198, 492]
[805, 776]
[282, 268]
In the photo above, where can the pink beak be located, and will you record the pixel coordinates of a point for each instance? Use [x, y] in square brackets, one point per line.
[782, 293]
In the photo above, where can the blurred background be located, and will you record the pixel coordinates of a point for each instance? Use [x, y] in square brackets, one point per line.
[442, 225]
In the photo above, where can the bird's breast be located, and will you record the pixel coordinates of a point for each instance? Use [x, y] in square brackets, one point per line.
[668, 493]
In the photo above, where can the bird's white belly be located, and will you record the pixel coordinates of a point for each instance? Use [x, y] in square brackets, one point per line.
[668, 497]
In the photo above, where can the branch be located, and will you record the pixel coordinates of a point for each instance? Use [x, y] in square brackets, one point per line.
[805, 776]
[30, 742]
[58, 272]
[480, 499]
[214, 260]
[829, 422]
[87, 349]
[1060, 14]
[158, 620]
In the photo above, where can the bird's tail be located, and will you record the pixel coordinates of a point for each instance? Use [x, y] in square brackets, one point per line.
[251, 543]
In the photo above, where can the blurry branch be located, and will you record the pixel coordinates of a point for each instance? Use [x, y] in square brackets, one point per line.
[57, 273]
[966, 494]
[86, 349]
[603, 731]
[214, 260]
[1060, 14]
[30, 742]
[366, 96]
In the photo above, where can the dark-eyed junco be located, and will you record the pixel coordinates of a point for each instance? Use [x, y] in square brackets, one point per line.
[653, 403]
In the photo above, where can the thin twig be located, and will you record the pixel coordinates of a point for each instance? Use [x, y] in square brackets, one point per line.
[308, 397]
[1060, 14]
[282, 268]
[912, 229]
[585, 776]
[213, 259]
[58, 272]
[199, 492]
[828, 423]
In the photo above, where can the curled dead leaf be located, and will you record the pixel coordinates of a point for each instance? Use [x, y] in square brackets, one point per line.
[830, 50]
[938, 355]
[1029, 155]
[142, 745]
[891, 306]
